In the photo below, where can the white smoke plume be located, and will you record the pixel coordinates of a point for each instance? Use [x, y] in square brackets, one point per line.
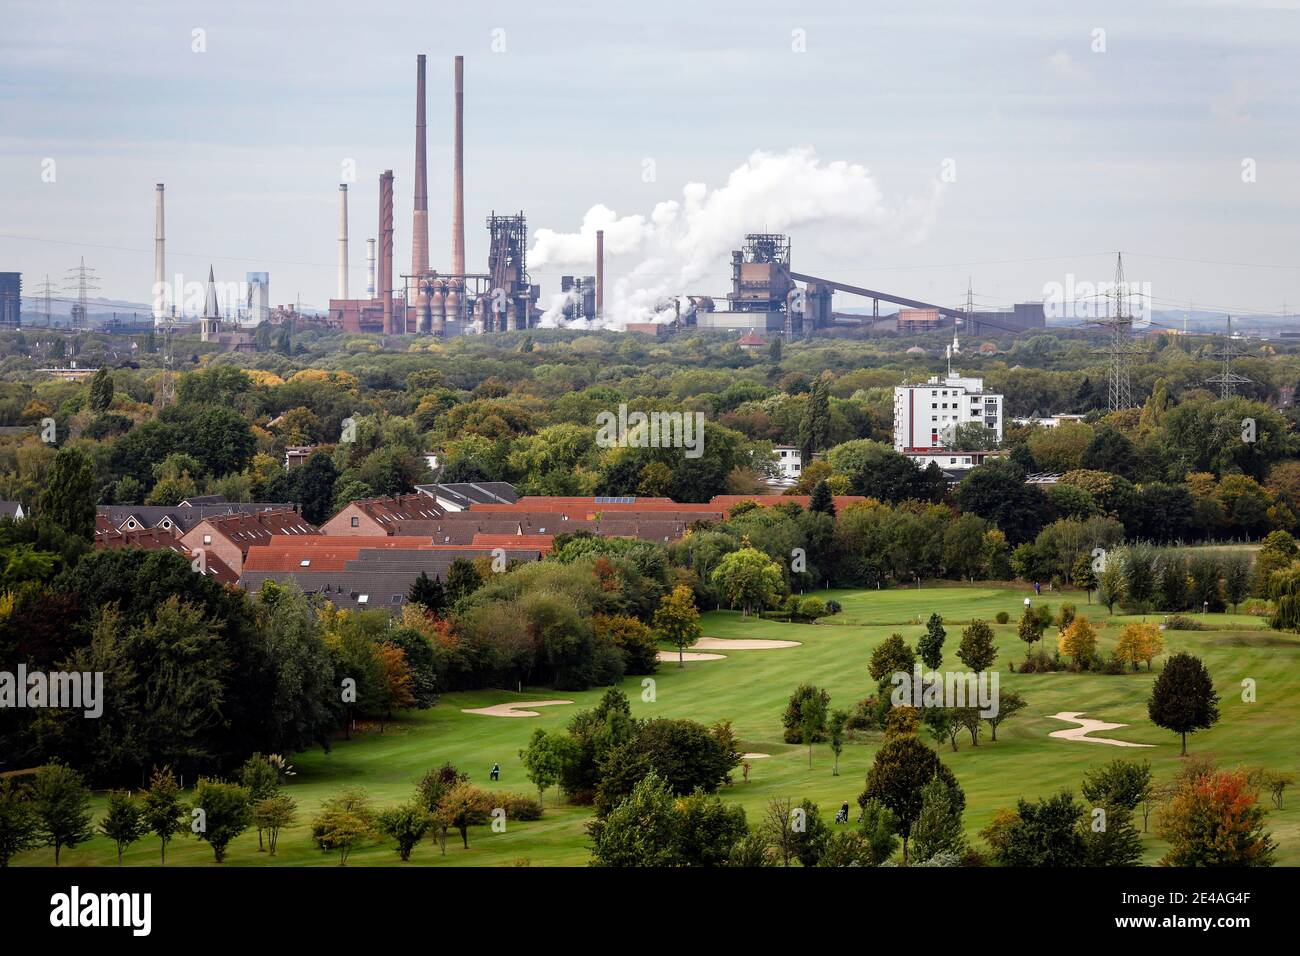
[669, 252]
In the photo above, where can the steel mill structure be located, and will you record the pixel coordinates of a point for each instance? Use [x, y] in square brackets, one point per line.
[426, 300]
[767, 297]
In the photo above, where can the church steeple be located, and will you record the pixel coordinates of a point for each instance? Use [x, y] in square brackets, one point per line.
[210, 324]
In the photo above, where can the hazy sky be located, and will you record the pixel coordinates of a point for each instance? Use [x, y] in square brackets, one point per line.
[1062, 152]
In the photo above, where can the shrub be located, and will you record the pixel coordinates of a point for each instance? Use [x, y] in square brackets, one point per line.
[1040, 662]
[1181, 622]
[1111, 665]
[519, 806]
[812, 608]
[867, 714]
[637, 643]
[1066, 615]
[833, 606]
[1002, 617]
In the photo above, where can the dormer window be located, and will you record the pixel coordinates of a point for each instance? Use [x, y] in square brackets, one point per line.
[305, 563]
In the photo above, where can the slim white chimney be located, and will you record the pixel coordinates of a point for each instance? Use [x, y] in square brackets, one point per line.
[343, 240]
[159, 260]
[370, 268]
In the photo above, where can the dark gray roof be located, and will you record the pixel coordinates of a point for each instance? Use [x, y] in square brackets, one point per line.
[462, 494]
[9, 508]
[184, 516]
[383, 575]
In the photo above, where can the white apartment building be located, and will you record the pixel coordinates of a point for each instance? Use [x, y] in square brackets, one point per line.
[789, 462]
[789, 467]
[925, 415]
[1048, 421]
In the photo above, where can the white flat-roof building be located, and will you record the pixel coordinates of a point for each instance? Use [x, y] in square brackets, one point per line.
[788, 461]
[1047, 421]
[925, 415]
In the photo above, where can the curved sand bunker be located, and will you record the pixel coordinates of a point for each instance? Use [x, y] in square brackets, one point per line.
[718, 644]
[1087, 726]
[515, 709]
[753, 756]
[690, 656]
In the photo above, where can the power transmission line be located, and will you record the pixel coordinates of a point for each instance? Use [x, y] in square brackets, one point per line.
[82, 280]
[1228, 380]
[1120, 325]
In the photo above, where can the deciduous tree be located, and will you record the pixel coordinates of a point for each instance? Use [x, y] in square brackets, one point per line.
[405, 824]
[678, 620]
[1215, 820]
[977, 650]
[62, 806]
[164, 812]
[123, 821]
[901, 769]
[227, 812]
[930, 646]
[19, 829]
[1183, 698]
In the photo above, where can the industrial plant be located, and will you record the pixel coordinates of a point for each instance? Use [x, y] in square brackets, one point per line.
[767, 296]
[431, 301]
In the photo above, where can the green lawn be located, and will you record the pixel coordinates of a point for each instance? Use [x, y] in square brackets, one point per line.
[750, 688]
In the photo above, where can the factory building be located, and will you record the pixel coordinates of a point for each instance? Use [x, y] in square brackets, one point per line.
[763, 296]
[11, 299]
[1019, 318]
[426, 300]
[916, 321]
[926, 415]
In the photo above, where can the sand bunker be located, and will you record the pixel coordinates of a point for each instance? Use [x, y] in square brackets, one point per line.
[1087, 726]
[717, 644]
[689, 656]
[514, 710]
[753, 756]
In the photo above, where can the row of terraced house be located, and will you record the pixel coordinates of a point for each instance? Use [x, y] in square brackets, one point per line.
[370, 552]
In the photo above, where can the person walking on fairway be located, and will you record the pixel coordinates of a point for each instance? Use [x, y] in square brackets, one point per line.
[496, 772]
[843, 815]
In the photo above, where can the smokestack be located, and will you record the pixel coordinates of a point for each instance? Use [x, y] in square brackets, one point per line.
[458, 191]
[370, 268]
[159, 260]
[420, 218]
[343, 240]
[600, 273]
[386, 248]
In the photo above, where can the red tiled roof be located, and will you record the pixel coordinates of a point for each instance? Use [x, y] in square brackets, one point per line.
[157, 539]
[540, 542]
[150, 539]
[333, 552]
[413, 507]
